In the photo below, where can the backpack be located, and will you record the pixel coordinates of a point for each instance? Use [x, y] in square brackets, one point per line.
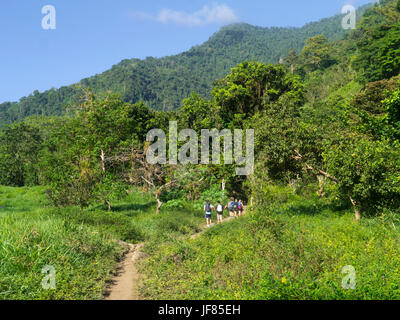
[240, 207]
[235, 205]
[231, 205]
[208, 207]
[220, 208]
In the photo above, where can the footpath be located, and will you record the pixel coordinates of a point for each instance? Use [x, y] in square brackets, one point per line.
[125, 285]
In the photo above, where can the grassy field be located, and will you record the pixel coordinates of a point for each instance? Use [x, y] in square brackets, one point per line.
[295, 250]
[80, 244]
[292, 250]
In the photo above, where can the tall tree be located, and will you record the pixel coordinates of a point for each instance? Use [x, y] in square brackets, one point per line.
[19, 147]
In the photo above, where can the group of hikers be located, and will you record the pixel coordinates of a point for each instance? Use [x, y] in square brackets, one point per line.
[235, 208]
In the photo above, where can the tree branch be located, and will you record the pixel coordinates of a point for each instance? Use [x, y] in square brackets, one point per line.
[299, 157]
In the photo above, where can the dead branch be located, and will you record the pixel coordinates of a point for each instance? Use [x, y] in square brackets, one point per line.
[299, 157]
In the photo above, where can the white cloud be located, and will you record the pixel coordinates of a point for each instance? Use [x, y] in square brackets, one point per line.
[215, 14]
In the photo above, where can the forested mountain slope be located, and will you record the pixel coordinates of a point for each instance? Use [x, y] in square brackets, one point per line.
[323, 198]
[162, 83]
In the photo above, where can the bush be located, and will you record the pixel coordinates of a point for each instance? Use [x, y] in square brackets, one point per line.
[368, 171]
[292, 251]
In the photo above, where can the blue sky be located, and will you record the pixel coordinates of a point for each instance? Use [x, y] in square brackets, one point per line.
[93, 35]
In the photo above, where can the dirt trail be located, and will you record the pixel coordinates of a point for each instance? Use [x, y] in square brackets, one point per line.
[214, 224]
[125, 284]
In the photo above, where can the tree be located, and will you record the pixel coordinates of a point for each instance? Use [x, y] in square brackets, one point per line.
[19, 147]
[375, 111]
[291, 60]
[252, 87]
[317, 53]
[100, 129]
[379, 43]
[198, 113]
[392, 104]
[158, 178]
[367, 172]
[370, 99]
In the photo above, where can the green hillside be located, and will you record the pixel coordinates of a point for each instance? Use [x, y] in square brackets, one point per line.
[163, 83]
[322, 203]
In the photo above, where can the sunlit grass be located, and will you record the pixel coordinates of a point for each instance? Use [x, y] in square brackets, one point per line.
[80, 244]
[294, 250]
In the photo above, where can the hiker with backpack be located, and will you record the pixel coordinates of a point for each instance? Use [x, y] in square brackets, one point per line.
[240, 207]
[236, 208]
[208, 207]
[220, 212]
[231, 207]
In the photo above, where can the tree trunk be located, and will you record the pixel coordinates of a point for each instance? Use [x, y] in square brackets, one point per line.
[321, 182]
[357, 214]
[103, 167]
[356, 211]
[108, 203]
[159, 204]
[223, 184]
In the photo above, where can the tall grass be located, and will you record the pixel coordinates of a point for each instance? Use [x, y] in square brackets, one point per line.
[294, 250]
[80, 244]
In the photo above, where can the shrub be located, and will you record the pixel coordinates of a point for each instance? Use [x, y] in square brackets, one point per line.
[368, 171]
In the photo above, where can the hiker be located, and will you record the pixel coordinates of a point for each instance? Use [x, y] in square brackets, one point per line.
[236, 208]
[240, 207]
[208, 207]
[231, 207]
[220, 212]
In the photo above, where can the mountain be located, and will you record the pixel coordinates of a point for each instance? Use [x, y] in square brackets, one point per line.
[162, 83]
